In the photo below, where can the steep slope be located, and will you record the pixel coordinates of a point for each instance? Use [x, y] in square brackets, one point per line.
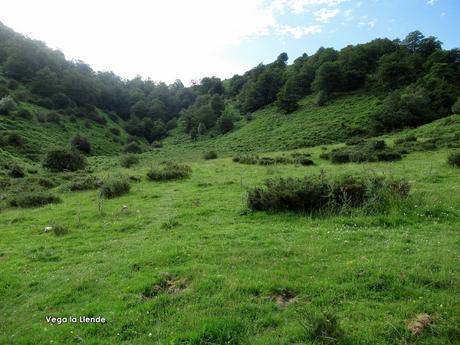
[270, 130]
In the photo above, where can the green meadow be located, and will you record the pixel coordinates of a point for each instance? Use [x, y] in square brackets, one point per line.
[184, 262]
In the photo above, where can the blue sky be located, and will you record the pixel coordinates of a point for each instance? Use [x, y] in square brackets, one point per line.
[356, 22]
[182, 39]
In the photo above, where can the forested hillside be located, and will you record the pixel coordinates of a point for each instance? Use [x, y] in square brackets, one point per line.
[415, 80]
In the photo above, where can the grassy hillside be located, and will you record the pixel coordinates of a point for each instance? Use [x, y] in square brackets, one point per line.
[40, 133]
[178, 263]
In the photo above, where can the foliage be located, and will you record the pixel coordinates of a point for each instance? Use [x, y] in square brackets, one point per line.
[114, 186]
[64, 160]
[33, 199]
[169, 171]
[316, 193]
[81, 144]
[133, 148]
[210, 155]
[127, 161]
[454, 159]
[7, 105]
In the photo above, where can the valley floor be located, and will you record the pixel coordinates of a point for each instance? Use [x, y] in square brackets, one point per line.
[181, 264]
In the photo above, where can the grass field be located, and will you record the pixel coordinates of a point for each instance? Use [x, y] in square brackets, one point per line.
[182, 264]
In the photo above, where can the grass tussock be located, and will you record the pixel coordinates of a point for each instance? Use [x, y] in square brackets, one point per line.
[210, 155]
[169, 171]
[302, 159]
[317, 193]
[81, 183]
[454, 159]
[114, 186]
[129, 160]
[33, 199]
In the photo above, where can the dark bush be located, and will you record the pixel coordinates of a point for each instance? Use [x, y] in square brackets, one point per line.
[16, 171]
[306, 194]
[7, 105]
[46, 182]
[129, 160]
[377, 144]
[81, 144]
[115, 131]
[53, 117]
[304, 161]
[388, 156]
[114, 186]
[454, 159]
[64, 160]
[169, 171]
[23, 113]
[14, 139]
[61, 100]
[33, 199]
[210, 155]
[133, 147]
[315, 193]
[340, 157]
[156, 144]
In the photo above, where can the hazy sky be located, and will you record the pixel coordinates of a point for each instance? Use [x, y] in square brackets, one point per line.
[186, 39]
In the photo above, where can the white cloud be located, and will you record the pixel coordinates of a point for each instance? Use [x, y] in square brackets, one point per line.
[431, 2]
[370, 23]
[163, 40]
[299, 31]
[298, 6]
[324, 15]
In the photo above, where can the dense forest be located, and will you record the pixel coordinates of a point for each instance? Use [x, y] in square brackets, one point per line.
[417, 80]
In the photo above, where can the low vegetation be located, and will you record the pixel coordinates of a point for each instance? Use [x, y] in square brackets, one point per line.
[64, 160]
[311, 194]
[33, 199]
[114, 186]
[169, 171]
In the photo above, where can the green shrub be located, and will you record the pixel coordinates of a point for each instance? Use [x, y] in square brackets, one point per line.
[64, 160]
[23, 113]
[354, 141]
[169, 171]
[133, 148]
[316, 193]
[388, 156]
[81, 183]
[53, 117]
[14, 139]
[16, 171]
[115, 131]
[47, 182]
[456, 106]
[33, 199]
[81, 144]
[377, 144]
[246, 159]
[454, 159]
[7, 105]
[114, 186]
[321, 98]
[129, 160]
[210, 155]
[340, 157]
[304, 161]
[156, 144]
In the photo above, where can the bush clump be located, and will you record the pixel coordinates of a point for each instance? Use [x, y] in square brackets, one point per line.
[454, 159]
[81, 183]
[133, 148]
[169, 171]
[114, 186]
[81, 144]
[129, 160]
[408, 139]
[7, 105]
[64, 160]
[33, 199]
[210, 155]
[312, 194]
[16, 171]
